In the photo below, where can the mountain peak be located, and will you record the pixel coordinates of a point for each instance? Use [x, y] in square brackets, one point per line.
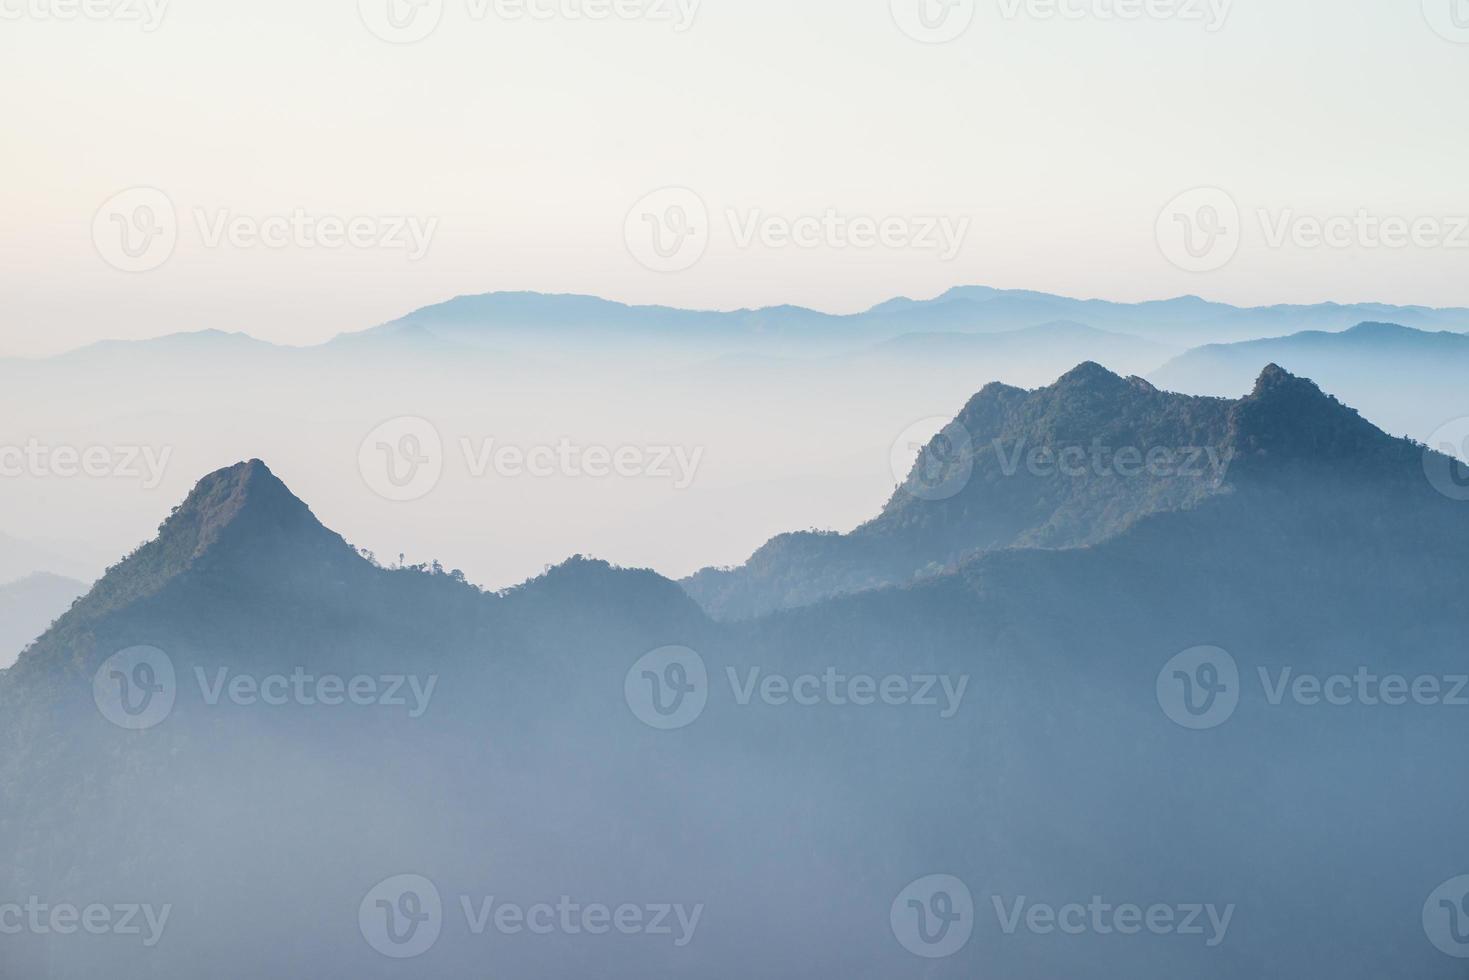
[246, 491]
[241, 518]
[1277, 384]
[1274, 376]
[1089, 375]
[1291, 417]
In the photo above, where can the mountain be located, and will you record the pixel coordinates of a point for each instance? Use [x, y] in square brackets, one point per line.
[28, 606]
[1179, 321]
[519, 318]
[510, 323]
[1064, 466]
[793, 813]
[752, 391]
[1409, 380]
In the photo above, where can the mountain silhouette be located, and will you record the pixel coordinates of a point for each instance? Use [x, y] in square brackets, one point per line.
[1064, 466]
[530, 774]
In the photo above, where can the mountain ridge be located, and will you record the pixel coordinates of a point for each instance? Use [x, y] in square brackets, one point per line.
[980, 486]
[982, 307]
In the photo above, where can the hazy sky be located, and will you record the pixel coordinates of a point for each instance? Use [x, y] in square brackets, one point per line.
[519, 144]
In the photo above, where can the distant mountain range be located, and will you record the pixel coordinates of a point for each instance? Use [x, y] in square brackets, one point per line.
[1368, 349]
[1061, 600]
[794, 410]
[527, 318]
[506, 321]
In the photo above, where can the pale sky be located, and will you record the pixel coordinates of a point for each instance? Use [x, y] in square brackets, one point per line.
[524, 142]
